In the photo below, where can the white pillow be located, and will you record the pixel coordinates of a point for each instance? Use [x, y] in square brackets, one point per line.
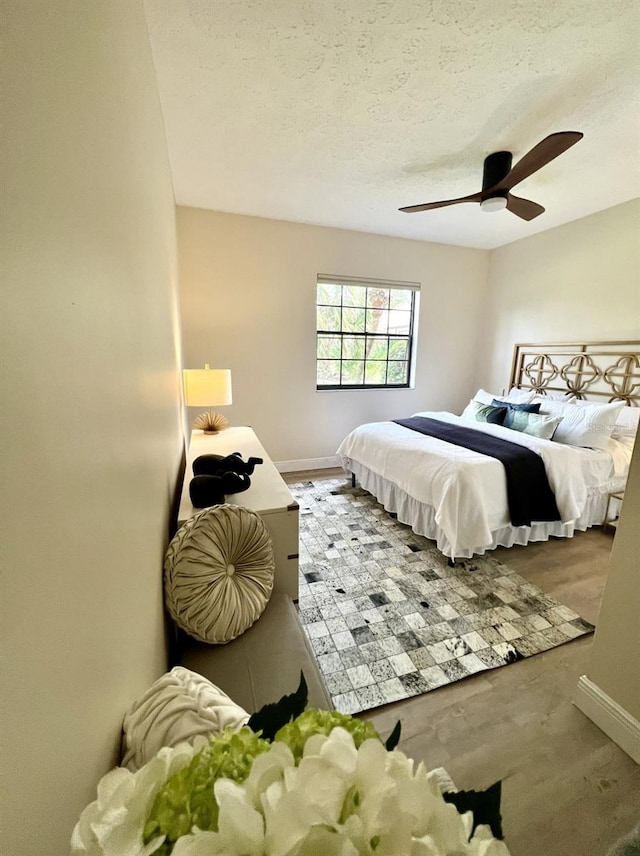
[589, 427]
[554, 396]
[626, 421]
[519, 396]
[178, 707]
[515, 396]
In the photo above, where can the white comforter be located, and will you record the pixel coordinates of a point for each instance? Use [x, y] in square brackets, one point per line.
[467, 489]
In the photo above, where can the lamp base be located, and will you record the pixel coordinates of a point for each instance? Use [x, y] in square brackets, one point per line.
[211, 422]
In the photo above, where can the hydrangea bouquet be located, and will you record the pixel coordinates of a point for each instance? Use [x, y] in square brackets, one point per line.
[323, 784]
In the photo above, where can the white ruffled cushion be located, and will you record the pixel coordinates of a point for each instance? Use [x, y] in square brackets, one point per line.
[218, 573]
[177, 708]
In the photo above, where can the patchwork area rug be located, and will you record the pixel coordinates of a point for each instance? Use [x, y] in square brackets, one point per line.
[388, 618]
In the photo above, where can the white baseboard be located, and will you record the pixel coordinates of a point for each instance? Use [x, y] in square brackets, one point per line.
[307, 464]
[609, 716]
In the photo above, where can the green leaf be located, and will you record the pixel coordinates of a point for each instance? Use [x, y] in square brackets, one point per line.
[485, 806]
[354, 295]
[393, 738]
[353, 320]
[329, 293]
[270, 718]
[375, 372]
[352, 371]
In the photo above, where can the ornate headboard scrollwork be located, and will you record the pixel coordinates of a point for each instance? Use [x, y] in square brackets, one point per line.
[609, 370]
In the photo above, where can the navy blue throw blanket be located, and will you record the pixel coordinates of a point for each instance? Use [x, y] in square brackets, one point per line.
[528, 491]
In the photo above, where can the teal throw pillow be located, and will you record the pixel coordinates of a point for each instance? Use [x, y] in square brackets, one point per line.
[528, 408]
[536, 424]
[478, 412]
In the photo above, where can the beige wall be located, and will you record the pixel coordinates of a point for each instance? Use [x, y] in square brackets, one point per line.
[615, 658]
[573, 283]
[90, 398]
[248, 303]
[579, 282]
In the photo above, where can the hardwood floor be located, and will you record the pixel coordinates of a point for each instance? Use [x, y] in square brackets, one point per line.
[567, 789]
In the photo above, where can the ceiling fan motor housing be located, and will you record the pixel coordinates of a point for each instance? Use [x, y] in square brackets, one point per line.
[496, 167]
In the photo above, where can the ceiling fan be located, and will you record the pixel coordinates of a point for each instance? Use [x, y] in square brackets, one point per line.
[498, 177]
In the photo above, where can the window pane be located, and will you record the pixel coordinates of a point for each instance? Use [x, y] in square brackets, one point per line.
[375, 372]
[377, 349]
[400, 322]
[353, 372]
[329, 347]
[353, 320]
[398, 349]
[328, 371]
[354, 295]
[377, 320]
[378, 298]
[363, 335]
[398, 372]
[329, 293]
[401, 298]
[353, 348]
[328, 318]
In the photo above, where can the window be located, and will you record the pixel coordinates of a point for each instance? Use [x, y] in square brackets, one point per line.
[365, 332]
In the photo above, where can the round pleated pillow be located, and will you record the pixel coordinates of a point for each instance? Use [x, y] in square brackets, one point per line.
[218, 573]
[180, 706]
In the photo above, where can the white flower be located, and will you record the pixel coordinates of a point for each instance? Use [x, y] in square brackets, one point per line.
[240, 827]
[113, 824]
[338, 800]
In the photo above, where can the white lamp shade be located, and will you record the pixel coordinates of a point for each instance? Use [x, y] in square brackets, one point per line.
[207, 387]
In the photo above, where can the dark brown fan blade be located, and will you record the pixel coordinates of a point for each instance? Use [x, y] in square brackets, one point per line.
[428, 206]
[539, 156]
[524, 208]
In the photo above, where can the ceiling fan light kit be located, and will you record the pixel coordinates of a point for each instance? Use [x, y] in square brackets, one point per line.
[494, 203]
[499, 177]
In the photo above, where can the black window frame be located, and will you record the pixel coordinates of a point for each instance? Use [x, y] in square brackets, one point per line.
[342, 334]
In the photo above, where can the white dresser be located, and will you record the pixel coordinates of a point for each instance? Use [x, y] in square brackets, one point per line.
[268, 495]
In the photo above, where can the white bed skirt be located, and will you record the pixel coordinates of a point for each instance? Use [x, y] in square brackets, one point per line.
[421, 517]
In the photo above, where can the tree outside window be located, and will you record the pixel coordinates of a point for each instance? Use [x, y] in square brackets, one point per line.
[364, 334]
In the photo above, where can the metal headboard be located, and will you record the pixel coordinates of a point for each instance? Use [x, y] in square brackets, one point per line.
[608, 370]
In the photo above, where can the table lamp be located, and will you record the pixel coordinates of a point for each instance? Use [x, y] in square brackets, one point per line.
[208, 388]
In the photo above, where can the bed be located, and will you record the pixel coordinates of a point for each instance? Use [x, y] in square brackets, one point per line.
[457, 496]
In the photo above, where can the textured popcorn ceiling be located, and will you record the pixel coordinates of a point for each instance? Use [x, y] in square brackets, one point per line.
[338, 112]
